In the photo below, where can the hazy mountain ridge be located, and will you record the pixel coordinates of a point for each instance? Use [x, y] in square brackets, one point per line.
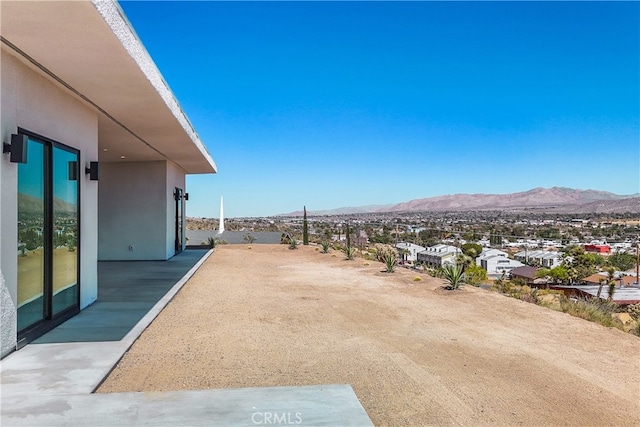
[536, 197]
[346, 210]
[28, 203]
[555, 199]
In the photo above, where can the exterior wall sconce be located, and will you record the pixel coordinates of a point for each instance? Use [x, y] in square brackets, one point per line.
[186, 196]
[92, 171]
[17, 148]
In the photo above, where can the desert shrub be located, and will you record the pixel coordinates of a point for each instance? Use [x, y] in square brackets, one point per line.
[636, 329]
[349, 252]
[519, 281]
[381, 250]
[325, 246]
[474, 275]
[366, 264]
[503, 286]
[417, 279]
[528, 294]
[453, 274]
[634, 311]
[212, 242]
[390, 260]
[293, 243]
[593, 309]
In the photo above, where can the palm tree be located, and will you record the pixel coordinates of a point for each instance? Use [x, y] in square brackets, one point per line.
[405, 253]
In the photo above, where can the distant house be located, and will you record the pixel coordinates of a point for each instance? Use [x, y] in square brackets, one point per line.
[409, 251]
[498, 265]
[599, 249]
[525, 273]
[484, 242]
[620, 280]
[438, 255]
[622, 296]
[546, 259]
[488, 252]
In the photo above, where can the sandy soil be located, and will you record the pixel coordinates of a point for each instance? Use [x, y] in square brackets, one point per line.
[414, 353]
[31, 277]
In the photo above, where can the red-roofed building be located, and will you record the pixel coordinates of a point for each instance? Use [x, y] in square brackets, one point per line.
[600, 249]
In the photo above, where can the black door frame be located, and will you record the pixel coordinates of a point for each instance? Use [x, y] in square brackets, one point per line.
[178, 195]
[51, 320]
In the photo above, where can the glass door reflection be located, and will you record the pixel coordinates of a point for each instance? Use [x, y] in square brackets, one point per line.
[65, 230]
[31, 237]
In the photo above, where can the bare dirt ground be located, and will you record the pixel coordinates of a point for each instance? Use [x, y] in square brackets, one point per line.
[414, 353]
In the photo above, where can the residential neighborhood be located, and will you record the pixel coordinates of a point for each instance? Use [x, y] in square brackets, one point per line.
[536, 249]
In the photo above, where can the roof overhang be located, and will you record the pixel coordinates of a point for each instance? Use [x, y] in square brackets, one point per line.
[91, 49]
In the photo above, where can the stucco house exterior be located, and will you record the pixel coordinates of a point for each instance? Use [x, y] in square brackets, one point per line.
[545, 259]
[438, 255]
[409, 251]
[95, 153]
[497, 265]
[487, 252]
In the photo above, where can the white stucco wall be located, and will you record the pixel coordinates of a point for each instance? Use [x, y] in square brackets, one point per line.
[175, 178]
[35, 103]
[133, 211]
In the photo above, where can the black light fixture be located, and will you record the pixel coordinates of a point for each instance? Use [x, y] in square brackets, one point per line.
[186, 196]
[92, 171]
[17, 148]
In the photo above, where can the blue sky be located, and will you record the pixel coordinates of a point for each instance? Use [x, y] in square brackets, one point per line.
[332, 104]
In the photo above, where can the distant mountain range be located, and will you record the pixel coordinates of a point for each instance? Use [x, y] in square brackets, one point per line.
[28, 203]
[555, 199]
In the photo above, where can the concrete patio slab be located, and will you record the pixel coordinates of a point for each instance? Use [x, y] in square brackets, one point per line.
[322, 405]
[50, 382]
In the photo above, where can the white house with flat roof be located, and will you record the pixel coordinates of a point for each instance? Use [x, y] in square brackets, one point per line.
[95, 153]
[546, 259]
[487, 252]
[409, 251]
[497, 265]
[438, 255]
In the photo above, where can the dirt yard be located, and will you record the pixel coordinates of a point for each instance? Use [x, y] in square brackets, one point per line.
[414, 353]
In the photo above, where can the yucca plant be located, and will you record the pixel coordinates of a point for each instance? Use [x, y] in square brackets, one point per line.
[453, 274]
[293, 243]
[212, 242]
[325, 246]
[390, 260]
[349, 252]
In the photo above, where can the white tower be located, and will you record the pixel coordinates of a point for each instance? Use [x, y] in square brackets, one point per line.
[221, 226]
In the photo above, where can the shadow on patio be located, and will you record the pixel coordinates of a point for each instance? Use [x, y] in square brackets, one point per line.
[127, 290]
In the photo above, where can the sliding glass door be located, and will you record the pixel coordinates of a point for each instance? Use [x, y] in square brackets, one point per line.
[65, 230]
[31, 236]
[48, 228]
